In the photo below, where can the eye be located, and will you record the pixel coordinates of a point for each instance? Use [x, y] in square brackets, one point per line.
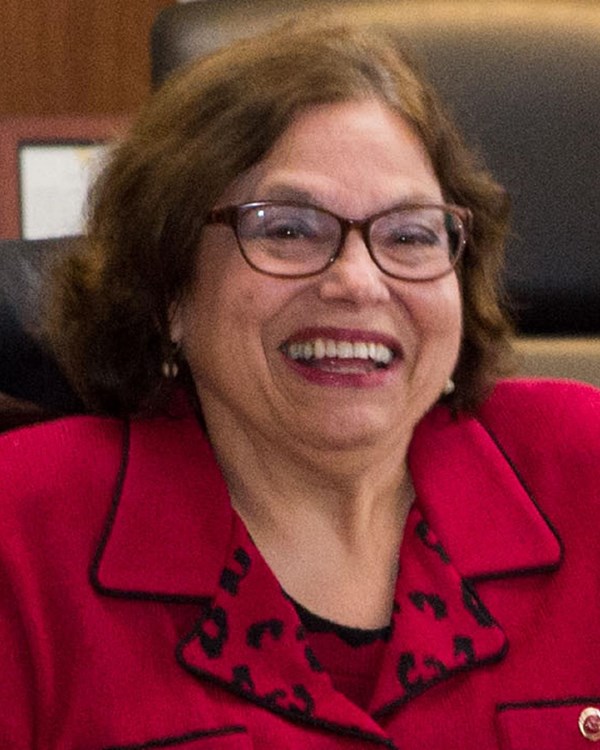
[409, 232]
[287, 230]
[413, 229]
[281, 223]
[413, 235]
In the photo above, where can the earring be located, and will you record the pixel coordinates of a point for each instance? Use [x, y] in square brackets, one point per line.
[169, 367]
[449, 387]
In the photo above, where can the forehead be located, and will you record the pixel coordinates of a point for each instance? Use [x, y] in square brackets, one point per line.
[354, 153]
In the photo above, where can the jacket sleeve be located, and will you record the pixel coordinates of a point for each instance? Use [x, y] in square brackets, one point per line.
[25, 493]
[17, 679]
[49, 523]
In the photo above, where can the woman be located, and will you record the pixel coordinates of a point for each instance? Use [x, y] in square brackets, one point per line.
[355, 537]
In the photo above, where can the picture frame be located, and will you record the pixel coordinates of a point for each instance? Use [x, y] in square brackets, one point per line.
[46, 166]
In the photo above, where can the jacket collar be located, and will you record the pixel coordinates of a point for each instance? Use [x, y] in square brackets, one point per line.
[476, 500]
[164, 536]
[167, 532]
[172, 535]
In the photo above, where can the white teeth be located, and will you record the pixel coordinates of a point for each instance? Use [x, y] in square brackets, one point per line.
[345, 350]
[383, 354]
[294, 351]
[361, 351]
[330, 348]
[321, 348]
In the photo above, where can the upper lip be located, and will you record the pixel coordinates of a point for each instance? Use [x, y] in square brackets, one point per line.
[352, 335]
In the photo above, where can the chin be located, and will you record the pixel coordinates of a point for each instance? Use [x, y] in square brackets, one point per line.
[355, 431]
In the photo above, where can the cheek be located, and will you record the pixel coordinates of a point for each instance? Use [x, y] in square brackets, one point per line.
[436, 313]
[226, 321]
[455, 308]
[449, 315]
[215, 291]
[437, 308]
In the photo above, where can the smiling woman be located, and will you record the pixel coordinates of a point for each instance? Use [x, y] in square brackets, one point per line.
[199, 139]
[236, 327]
[307, 514]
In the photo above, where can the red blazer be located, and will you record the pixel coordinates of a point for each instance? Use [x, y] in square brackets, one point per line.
[135, 612]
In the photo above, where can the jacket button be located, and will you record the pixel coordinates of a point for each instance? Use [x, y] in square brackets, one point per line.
[589, 723]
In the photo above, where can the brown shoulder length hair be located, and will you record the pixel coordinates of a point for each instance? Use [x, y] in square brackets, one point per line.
[109, 322]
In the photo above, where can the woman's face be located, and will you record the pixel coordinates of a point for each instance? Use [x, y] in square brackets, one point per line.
[241, 329]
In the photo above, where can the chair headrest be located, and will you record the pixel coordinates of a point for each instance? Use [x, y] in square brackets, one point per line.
[28, 370]
[523, 80]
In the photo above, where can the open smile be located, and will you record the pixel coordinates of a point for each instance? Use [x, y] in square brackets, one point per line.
[347, 358]
[325, 351]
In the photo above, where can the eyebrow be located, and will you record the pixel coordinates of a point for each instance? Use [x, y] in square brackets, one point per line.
[283, 192]
[286, 192]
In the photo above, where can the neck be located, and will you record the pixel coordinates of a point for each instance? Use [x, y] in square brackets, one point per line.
[351, 491]
[328, 522]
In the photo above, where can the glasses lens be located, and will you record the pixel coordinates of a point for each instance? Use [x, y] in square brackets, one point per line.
[416, 243]
[287, 240]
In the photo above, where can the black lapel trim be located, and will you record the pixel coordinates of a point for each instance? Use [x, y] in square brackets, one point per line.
[449, 673]
[93, 573]
[183, 739]
[470, 583]
[530, 570]
[290, 715]
[381, 712]
[554, 703]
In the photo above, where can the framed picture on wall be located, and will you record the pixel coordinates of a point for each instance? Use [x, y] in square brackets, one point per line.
[46, 167]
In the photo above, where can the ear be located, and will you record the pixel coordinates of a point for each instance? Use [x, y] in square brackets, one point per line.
[176, 326]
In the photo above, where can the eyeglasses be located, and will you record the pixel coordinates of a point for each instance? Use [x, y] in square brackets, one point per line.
[294, 240]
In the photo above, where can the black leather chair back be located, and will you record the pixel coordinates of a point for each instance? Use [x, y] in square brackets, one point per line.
[524, 82]
[28, 371]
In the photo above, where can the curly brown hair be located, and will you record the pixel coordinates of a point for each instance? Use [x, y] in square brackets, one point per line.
[200, 131]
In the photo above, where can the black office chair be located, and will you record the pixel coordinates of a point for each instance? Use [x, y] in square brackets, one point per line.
[524, 82]
[32, 386]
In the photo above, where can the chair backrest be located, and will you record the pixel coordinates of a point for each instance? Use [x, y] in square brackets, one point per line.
[523, 79]
[28, 370]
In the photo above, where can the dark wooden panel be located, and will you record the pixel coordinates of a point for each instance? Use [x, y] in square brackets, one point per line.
[75, 56]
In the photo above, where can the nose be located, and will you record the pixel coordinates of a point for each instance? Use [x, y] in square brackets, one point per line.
[353, 277]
